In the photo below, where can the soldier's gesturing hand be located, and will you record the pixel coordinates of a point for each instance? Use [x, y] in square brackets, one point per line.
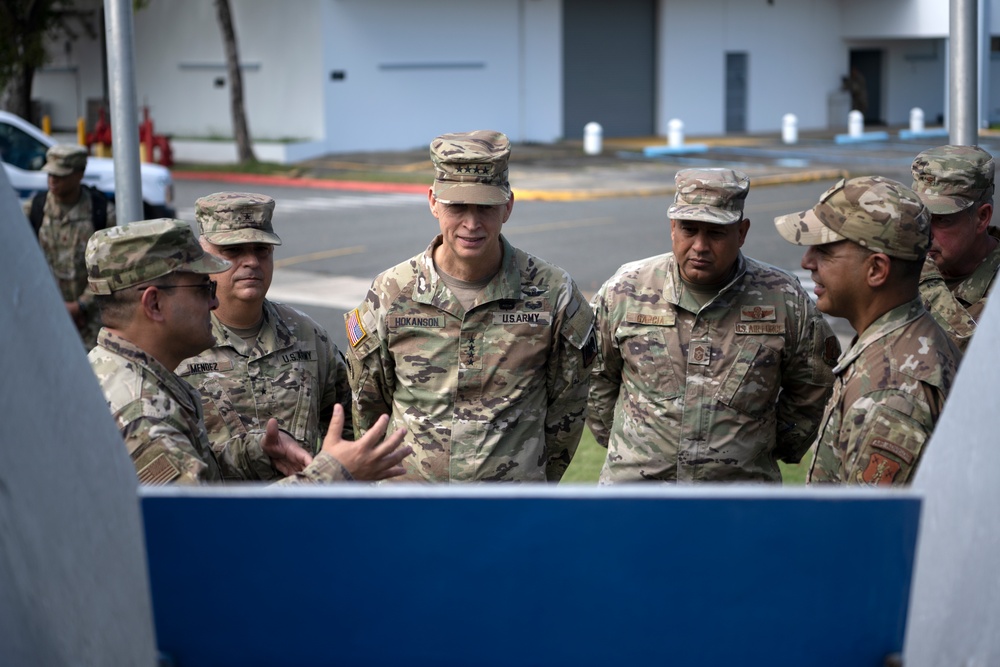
[286, 455]
[369, 458]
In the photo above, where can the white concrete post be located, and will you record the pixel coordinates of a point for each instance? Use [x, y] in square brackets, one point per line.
[855, 123]
[789, 128]
[593, 134]
[916, 119]
[675, 133]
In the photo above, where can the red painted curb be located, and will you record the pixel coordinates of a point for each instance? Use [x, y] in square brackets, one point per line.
[288, 182]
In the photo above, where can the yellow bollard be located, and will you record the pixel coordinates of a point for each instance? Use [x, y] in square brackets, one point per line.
[81, 132]
[47, 125]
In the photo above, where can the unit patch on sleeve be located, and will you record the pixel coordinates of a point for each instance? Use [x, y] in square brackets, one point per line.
[880, 471]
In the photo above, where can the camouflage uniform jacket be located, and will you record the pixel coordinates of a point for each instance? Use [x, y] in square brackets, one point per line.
[495, 393]
[958, 309]
[159, 417]
[890, 389]
[715, 393]
[293, 373]
[63, 237]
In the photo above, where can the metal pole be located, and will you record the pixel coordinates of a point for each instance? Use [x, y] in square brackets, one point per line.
[124, 116]
[963, 126]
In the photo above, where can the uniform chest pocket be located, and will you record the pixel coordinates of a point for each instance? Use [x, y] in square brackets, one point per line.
[293, 387]
[753, 380]
[645, 352]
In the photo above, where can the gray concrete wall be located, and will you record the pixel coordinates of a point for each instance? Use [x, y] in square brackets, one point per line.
[73, 583]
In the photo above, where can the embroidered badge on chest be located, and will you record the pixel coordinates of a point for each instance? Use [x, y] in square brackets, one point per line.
[757, 313]
[760, 328]
[521, 317]
[700, 353]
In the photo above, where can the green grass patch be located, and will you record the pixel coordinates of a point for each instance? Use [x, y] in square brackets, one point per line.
[586, 464]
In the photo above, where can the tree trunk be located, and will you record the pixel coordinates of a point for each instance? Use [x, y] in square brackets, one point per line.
[241, 133]
[17, 96]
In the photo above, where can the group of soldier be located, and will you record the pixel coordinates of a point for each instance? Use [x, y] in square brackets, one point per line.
[476, 361]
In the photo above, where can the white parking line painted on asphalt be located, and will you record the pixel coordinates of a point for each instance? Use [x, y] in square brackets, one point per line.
[317, 289]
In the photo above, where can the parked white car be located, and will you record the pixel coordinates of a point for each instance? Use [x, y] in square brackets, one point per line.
[22, 151]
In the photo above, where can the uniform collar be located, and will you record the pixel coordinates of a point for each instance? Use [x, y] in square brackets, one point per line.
[886, 323]
[274, 334]
[430, 288]
[128, 350]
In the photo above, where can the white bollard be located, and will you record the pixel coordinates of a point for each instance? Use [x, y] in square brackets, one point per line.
[675, 133]
[592, 135]
[789, 129]
[916, 119]
[855, 123]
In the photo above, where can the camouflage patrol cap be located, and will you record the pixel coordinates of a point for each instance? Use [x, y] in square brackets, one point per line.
[709, 195]
[875, 212]
[120, 257]
[949, 179]
[64, 159]
[229, 218]
[471, 167]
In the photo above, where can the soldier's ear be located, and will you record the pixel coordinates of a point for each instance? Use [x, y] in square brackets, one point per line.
[984, 215]
[877, 267]
[151, 303]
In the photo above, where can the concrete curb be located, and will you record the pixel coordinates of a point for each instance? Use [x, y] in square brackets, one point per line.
[528, 194]
[292, 182]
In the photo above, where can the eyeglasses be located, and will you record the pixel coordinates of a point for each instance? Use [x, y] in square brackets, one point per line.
[208, 287]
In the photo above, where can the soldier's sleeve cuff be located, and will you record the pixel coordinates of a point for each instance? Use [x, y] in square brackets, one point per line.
[325, 468]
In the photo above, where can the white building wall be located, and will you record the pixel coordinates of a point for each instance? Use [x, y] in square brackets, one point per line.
[179, 55]
[541, 66]
[75, 72]
[884, 19]
[414, 70]
[795, 59]
[915, 78]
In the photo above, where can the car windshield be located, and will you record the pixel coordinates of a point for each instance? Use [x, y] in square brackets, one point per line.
[20, 149]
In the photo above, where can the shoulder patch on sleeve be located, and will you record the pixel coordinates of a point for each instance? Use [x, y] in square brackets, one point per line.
[831, 351]
[589, 349]
[579, 327]
[160, 470]
[355, 329]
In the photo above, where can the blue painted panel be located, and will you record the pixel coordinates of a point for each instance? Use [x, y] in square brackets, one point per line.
[506, 581]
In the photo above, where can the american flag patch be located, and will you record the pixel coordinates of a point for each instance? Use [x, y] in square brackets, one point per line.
[355, 332]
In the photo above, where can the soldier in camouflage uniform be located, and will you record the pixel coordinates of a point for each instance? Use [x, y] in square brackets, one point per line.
[269, 359]
[867, 239]
[480, 350]
[66, 224]
[711, 366]
[152, 286]
[956, 185]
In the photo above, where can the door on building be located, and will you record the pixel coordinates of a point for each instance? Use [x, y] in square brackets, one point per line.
[736, 92]
[865, 80]
[609, 60]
